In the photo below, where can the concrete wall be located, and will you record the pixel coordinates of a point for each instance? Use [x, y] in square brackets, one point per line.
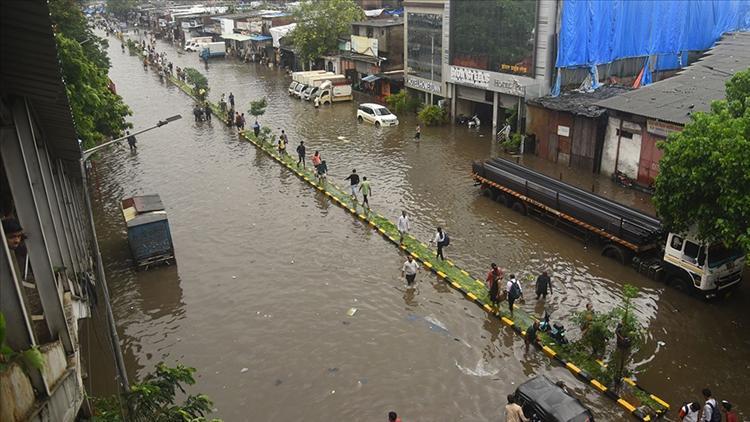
[629, 149]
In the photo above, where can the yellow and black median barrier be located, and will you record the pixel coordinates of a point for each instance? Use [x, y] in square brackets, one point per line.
[651, 406]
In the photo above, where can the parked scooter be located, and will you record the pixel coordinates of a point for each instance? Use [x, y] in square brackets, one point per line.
[556, 331]
[462, 119]
[474, 121]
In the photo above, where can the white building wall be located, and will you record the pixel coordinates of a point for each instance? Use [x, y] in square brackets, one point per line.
[630, 150]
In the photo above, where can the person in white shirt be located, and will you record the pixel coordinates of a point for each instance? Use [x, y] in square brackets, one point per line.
[409, 270]
[438, 240]
[711, 408]
[689, 412]
[403, 225]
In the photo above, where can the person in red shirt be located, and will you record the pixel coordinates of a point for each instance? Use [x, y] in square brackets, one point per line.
[393, 417]
[730, 415]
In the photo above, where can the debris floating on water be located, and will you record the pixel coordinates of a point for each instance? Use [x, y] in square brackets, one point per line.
[243, 370]
[351, 311]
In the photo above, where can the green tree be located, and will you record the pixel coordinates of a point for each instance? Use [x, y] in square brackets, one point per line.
[402, 102]
[433, 115]
[98, 113]
[121, 8]
[704, 178]
[199, 82]
[320, 24]
[258, 108]
[154, 399]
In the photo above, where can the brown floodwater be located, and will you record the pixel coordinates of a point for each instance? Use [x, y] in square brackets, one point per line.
[268, 267]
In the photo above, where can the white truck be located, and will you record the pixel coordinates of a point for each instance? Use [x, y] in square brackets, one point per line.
[297, 78]
[196, 43]
[213, 49]
[330, 92]
[313, 82]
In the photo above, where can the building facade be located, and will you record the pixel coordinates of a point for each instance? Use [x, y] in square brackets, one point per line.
[426, 48]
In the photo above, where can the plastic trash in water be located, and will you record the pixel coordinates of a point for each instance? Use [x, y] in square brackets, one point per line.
[243, 370]
[351, 312]
[661, 343]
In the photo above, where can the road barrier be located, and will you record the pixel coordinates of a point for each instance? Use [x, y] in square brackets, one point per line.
[652, 406]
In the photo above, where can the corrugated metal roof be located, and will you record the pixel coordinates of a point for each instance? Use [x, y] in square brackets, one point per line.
[579, 103]
[692, 89]
[30, 68]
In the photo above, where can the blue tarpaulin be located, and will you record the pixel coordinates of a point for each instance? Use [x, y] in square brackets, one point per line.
[596, 32]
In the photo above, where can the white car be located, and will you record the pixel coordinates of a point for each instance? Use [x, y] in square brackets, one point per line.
[376, 114]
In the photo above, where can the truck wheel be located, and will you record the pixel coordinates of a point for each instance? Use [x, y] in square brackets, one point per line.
[679, 283]
[360, 119]
[519, 207]
[618, 253]
[491, 192]
[377, 124]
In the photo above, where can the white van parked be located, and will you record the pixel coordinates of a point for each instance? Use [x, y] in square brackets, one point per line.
[376, 114]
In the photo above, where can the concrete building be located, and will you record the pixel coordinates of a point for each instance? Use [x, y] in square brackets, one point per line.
[639, 119]
[47, 281]
[426, 48]
[375, 58]
[500, 55]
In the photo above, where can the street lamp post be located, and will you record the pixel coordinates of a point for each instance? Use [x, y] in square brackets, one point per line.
[85, 155]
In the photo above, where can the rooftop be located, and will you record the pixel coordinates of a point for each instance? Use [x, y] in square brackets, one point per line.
[34, 73]
[380, 23]
[693, 88]
[580, 103]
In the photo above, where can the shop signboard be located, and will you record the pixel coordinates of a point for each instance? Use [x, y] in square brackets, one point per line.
[484, 79]
[364, 45]
[434, 87]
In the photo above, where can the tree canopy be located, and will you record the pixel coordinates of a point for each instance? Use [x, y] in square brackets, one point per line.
[121, 7]
[98, 112]
[320, 24]
[704, 178]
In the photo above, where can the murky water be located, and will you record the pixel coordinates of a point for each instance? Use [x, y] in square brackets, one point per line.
[268, 267]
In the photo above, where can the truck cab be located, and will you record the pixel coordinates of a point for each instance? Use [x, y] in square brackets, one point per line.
[709, 270]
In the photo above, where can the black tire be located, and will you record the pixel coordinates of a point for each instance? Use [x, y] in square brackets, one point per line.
[377, 123]
[679, 283]
[502, 198]
[519, 207]
[618, 253]
[492, 193]
[360, 119]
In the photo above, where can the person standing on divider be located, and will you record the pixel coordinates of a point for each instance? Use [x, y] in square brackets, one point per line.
[322, 171]
[439, 241]
[316, 160]
[301, 154]
[131, 141]
[284, 137]
[409, 270]
[242, 121]
[689, 412]
[514, 292]
[238, 120]
[366, 191]
[543, 283]
[282, 145]
[207, 112]
[353, 183]
[256, 128]
[403, 225]
[711, 412]
[494, 278]
[731, 416]
[231, 100]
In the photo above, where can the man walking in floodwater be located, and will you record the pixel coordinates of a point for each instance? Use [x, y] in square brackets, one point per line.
[322, 171]
[131, 141]
[353, 183]
[403, 225]
[301, 154]
[256, 128]
[409, 270]
[543, 283]
[231, 101]
[514, 412]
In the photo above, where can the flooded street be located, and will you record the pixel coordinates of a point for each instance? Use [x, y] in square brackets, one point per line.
[267, 268]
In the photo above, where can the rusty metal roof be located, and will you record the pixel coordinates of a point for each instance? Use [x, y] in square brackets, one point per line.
[30, 68]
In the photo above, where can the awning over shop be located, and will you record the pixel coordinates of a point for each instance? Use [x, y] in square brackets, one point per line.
[371, 78]
[236, 37]
[259, 38]
[278, 32]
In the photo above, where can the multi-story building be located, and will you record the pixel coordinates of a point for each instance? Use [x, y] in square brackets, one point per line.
[426, 41]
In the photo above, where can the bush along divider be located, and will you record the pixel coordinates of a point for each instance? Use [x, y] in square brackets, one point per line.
[650, 407]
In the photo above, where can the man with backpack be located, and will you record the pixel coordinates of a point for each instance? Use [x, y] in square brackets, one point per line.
[514, 292]
[711, 412]
[689, 412]
[441, 240]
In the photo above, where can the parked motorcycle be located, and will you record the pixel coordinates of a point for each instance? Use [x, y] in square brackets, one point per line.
[462, 119]
[556, 331]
